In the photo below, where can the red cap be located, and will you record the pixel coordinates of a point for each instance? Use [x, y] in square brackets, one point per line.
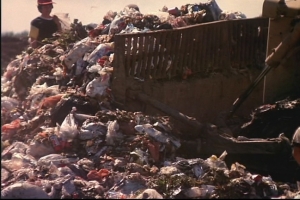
[45, 2]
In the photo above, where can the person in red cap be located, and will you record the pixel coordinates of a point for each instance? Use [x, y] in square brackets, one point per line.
[45, 25]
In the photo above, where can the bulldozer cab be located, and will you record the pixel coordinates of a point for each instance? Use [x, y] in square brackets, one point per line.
[284, 18]
[281, 8]
[282, 14]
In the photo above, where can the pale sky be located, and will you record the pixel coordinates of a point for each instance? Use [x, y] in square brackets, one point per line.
[17, 14]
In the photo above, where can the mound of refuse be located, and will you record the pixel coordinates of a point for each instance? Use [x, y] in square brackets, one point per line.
[62, 135]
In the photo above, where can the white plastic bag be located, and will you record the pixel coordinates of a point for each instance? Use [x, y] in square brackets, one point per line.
[98, 86]
[68, 129]
[112, 132]
[92, 130]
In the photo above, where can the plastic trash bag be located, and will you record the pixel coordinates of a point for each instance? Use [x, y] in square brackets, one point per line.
[23, 191]
[77, 52]
[98, 86]
[117, 25]
[112, 132]
[101, 50]
[142, 156]
[39, 92]
[158, 135]
[68, 129]
[92, 130]
[95, 68]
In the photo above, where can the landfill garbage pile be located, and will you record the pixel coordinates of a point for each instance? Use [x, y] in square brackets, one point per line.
[274, 119]
[63, 137]
[130, 19]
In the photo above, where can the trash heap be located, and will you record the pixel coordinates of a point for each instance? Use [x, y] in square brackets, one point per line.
[63, 137]
[130, 19]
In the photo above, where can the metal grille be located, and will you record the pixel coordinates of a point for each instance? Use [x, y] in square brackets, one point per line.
[202, 48]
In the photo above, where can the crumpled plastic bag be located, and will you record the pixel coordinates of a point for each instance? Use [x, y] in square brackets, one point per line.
[77, 52]
[117, 25]
[158, 135]
[23, 191]
[98, 86]
[39, 92]
[112, 132]
[95, 68]
[101, 50]
[92, 130]
[68, 129]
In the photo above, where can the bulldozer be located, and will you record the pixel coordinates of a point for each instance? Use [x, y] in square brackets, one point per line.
[283, 56]
[194, 104]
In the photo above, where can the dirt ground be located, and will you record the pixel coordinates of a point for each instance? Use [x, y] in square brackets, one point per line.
[11, 47]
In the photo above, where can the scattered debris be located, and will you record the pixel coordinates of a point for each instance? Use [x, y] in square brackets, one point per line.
[62, 136]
